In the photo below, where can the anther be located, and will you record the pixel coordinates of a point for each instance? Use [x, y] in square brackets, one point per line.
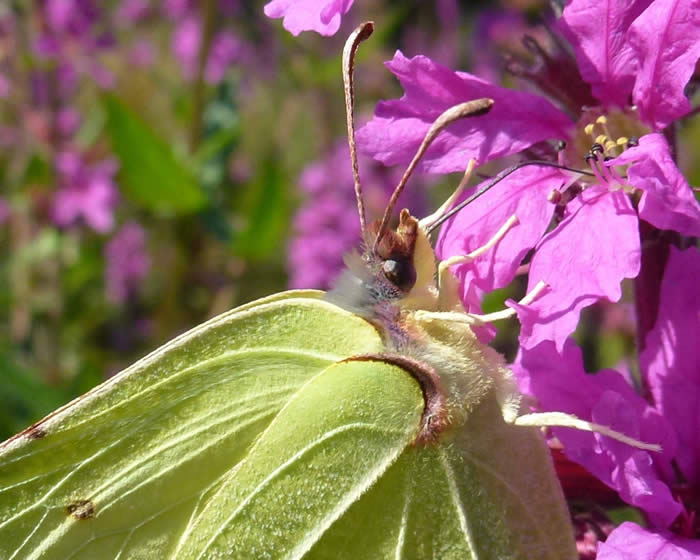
[601, 139]
[588, 129]
[602, 119]
[610, 145]
[622, 140]
[590, 156]
[632, 142]
[554, 196]
[597, 148]
[560, 145]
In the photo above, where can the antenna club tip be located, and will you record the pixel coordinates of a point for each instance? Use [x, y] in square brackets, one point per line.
[365, 30]
[484, 106]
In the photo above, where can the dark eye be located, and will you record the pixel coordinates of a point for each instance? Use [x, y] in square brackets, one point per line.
[400, 272]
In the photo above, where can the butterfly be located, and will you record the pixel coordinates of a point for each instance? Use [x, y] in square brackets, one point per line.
[368, 422]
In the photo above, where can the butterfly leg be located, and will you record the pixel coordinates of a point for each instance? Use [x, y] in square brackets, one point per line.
[447, 289]
[531, 296]
[477, 319]
[564, 420]
[444, 266]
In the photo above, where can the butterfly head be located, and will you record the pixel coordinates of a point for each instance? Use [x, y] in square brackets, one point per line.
[393, 254]
[399, 263]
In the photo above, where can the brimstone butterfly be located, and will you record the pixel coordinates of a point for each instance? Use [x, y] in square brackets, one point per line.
[368, 423]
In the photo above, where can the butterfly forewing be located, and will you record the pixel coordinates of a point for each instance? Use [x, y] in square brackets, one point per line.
[128, 465]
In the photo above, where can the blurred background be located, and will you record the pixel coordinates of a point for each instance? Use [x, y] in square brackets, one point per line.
[162, 161]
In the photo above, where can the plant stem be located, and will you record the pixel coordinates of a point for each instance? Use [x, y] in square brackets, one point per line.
[198, 91]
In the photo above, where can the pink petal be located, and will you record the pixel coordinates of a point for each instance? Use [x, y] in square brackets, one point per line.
[597, 30]
[4, 211]
[630, 542]
[559, 383]
[322, 16]
[666, 38]
[66, 206]
[516, 121]
[671, 358]
[668, 201]
[583, 260]
[523, 194]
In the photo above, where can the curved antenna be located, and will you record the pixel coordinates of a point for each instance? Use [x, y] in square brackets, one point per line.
[454, 113]
[497, 180]
[362, 32]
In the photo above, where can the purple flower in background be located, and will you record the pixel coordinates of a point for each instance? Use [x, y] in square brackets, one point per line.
[127, 262]
[4, 211]
[496, 32]
[445, 45]
[665, 485]
[142, 53]
[322, 16]
[4, 86]
[73, 33]
[187, 40]
[326, 227]
[131, 11]
[226, 49]
[596, 243]
[86, 191]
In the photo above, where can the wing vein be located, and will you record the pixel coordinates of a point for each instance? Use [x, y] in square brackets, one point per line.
[496, 476]
[454, 492]
[401, 541]
[30, 535]
[289, 462]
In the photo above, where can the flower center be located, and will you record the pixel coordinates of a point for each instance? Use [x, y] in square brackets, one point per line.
[600, 136]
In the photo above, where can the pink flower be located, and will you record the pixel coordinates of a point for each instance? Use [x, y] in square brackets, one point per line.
[127, 262]
[322, 16]
[87, 191]
[630, 542]
[644, 49]
[664, 484]
[596, 242]
[226, 49]
[186, 42]
[4, 211]
[517, 120]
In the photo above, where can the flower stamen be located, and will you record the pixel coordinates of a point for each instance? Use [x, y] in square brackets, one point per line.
[591, 159]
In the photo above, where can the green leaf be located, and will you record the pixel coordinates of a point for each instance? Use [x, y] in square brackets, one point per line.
[25, 398]
[150, 174]
[264, 210]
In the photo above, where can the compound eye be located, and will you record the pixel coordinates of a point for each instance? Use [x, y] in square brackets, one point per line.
[400, 272]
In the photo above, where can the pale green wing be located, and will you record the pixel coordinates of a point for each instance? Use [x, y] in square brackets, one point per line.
[486, 491]
[257, 436]
[129, 469]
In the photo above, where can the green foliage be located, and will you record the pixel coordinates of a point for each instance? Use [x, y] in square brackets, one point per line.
[264, 206]
[150, 173]
[24, 395]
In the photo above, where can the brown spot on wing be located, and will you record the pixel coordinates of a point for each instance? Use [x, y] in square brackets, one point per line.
[81, 509]
[34, 432]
